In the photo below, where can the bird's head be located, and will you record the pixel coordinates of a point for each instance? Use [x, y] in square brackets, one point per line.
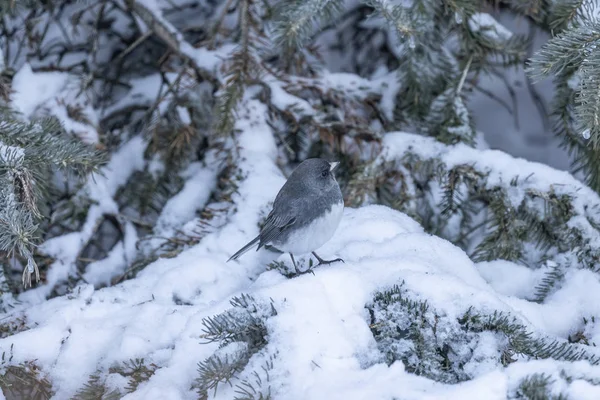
[317, 174]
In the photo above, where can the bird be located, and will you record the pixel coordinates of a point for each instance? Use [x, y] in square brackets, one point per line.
[305, 215]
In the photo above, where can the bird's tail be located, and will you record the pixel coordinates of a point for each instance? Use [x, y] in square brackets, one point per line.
[244, 249]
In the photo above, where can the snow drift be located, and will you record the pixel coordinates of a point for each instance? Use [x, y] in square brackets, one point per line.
[320, 340]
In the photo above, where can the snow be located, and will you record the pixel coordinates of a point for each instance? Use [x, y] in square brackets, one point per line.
[37, 94]
[284, 100]
[485, 24]
[101, 272]
[11, 154]
[511, 279]
[385, 84]
[206, 59]
[101, 189]
[33, 89]
[502, 167]
[321, 335]
[320, 338]
[182, 207]
[144, 91]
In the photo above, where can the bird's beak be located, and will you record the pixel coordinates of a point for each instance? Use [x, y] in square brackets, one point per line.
[333, 165]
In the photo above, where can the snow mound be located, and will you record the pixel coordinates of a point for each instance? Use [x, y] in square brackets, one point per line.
[320, 339]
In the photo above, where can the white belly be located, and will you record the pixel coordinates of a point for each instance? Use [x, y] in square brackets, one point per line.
[315, 235]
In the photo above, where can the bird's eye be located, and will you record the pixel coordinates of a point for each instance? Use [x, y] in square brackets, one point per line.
[324, 173]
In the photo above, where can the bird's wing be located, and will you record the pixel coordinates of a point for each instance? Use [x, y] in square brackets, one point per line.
[278, 221]
[289, 208]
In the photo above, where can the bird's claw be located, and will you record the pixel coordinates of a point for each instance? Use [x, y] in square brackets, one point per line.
[309, 270]
[327, 262]
[311, 267]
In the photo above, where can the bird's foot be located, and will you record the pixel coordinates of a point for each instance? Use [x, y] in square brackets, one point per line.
[309, 270]
[298, 272]
[311, 266]
[326, 262]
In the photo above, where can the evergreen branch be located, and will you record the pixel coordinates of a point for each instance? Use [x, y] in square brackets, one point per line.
[429, 343]
[453, 197]
[220, 369]
[45, 143]
[405, 330]
[587, 101]
[244, 68]
[511, 215]
[449, 119]
[12, 7]
[537, 10]
[23, 380]
[241, 333]
[585, 157]
[170, 35]
[395, 15]
[255, 389]
[463, 8]
[523, 342]
[537, 386]
[565, 52]
[567, 13]
[95, 388]
[485, 37]
[504, 240]
[137, 371]
[296, 20]
[243, 323]
[571, 57]
[29, 153]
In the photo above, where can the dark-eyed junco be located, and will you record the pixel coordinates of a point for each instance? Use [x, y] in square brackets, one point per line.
[305, 214]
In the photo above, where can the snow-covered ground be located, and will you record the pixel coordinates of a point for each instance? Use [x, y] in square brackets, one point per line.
[321, 338]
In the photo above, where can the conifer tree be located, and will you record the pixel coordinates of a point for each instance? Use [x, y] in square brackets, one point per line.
[163, 87]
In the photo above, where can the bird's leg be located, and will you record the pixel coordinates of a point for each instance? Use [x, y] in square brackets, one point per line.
[295, 266]
[321, 261]
[298, 272]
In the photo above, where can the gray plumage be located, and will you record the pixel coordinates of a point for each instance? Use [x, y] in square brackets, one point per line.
[306, 211]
